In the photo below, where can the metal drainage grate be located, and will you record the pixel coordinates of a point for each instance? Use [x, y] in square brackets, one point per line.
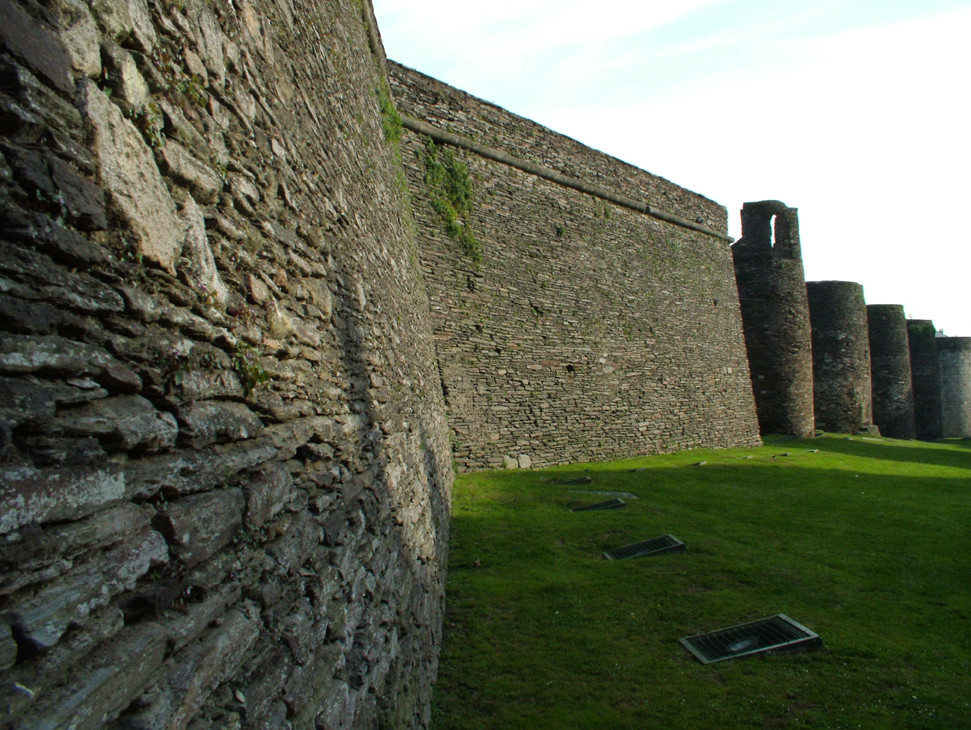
[776, 634]
[609, 504]
[654, 546]
[578, 480]
[623, 495]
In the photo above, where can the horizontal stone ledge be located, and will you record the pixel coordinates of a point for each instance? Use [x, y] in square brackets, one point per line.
[416, 125]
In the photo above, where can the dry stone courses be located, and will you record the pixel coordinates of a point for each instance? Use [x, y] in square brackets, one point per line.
[586, 330]
[893, 394]
[224, 464]
[775, 317]
[841, 357]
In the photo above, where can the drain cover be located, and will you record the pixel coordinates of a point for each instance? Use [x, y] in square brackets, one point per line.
[624, 495]
[654, 546]
[609, 504]
[776, 634]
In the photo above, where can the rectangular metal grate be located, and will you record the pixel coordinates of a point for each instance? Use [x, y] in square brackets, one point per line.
[776, 634]
[609, 504]
[622, 495]
[654, 546]
[578, 480]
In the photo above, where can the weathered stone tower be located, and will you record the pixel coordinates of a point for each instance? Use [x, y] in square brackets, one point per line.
[841, 356]
[893, 395]
[955, 359]
[775, 317]
[925, 377]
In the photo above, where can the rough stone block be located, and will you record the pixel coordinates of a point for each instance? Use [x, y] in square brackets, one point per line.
[42, 554]
[8, 648]
[189, 676]
[79, 33]
[200, 178]
[61, 243]
[103, 685]
[267, 491]
[36, 45]
[42, 618]
[201, 272]
[127, 83]
[190, 472]
[51, 355]
[45, 495]
[201, 524]
[208, 422]
[135, 189]
[127, 423]
[64, 192]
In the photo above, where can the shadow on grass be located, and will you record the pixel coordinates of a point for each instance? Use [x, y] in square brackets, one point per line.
[903, 451]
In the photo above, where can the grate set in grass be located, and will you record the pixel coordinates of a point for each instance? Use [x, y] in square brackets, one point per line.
[865, 541]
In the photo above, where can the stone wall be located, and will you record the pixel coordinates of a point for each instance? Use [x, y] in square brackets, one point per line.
[893, 394]
[775, 314]
[224, 466]
[841, 357]
[925, 378]
[955, 362]
[568, 327]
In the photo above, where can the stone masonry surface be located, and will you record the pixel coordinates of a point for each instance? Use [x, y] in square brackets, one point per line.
[587, 330]
[224, 462]
[841, 357]
[775, 315]
[926, 376]
[955, 364]
[893, 393]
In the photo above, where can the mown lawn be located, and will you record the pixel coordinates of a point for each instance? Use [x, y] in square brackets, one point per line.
[865, 541]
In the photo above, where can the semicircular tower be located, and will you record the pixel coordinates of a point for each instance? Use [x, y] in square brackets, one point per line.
[893, 394]
[925, 377]
[775, 317]
[955, 359]
[841, 356]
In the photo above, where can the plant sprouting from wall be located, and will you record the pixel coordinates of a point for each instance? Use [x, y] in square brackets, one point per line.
[246, 363]
[452, 196]
[390, 118]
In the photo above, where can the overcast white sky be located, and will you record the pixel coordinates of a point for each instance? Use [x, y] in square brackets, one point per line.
[857, 112]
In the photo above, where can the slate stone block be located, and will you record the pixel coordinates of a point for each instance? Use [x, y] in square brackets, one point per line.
[208, 422]
[201, 524]
[60, 188]
[125, 423]
[43, 617]
[267, 491]
[189, 676]
[103, 685]
[44, 495]
[27, 38]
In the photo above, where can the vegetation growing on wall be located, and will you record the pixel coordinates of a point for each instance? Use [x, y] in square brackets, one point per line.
[452, 195]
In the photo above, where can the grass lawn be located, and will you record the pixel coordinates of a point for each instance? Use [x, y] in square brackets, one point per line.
[865, 541]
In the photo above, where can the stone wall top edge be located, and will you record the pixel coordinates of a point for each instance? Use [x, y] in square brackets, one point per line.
[394, 66]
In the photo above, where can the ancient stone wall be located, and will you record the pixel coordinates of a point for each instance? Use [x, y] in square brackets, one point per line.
[893, 394]
[955, 361]
[841, 356]
[775, 315]
[224, 466]
[925, 378]
[568, 327]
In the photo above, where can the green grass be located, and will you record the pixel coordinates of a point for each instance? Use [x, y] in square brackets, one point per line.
[865, 541]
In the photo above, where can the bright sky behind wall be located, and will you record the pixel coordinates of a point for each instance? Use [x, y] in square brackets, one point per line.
[856, 112]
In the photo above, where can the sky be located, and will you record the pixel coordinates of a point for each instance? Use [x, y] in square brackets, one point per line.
[856, 112]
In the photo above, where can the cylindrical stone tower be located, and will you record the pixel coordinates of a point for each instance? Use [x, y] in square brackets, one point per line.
[775, 317]
[841, 356]
[893, 395]
[955, 359]
[926, 378]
